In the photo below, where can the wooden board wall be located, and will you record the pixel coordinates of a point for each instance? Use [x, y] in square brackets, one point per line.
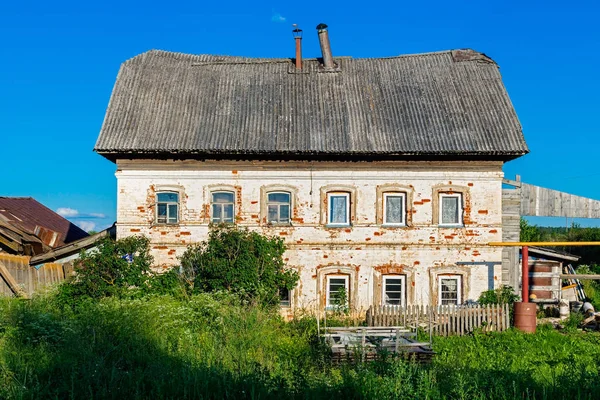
[29, 279]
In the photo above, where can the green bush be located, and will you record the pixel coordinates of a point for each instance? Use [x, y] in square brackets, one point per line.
[502, 295]
[119, 268]
[240, 261]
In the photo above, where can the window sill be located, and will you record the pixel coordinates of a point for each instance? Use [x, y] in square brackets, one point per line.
[393, 225]
[451, 226]
[338, 226]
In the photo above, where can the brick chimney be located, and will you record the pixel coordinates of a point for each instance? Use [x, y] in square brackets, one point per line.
[298, 37]
[325, 47]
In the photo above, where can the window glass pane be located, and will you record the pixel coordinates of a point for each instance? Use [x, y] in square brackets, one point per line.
[279, 197]
[450, 210]
[337, 210]
[272, 214]
[335, 285]
[167, 197]
[393, 291]
[284, 213]
[172, 213]
[449, 290]
[222, 197]
[162, 210]
[216, 212]
[394, 209]
[227, 212]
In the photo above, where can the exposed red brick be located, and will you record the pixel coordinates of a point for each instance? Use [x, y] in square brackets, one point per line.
[325, 256]
[254, 202]
[378, 233]
[234, 171]
[482, 211]
[367, 239]
[426, 200]
[493, 231]
[347, 230]
[185, 233]
[134, 230]
[449, 237]
[160, 247]
[470, 184]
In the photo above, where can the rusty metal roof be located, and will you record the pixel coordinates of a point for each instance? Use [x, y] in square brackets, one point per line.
[450, 103]
[32, 217]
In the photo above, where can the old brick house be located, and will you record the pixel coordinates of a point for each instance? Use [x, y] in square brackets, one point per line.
[383, 175]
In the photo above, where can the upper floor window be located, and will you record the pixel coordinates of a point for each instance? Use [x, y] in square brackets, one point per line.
[222, 206]
[451, 209]
[393, 290]
[338, 207]
[394, 209]
[167, 208]
[450, 289]
[278, 207]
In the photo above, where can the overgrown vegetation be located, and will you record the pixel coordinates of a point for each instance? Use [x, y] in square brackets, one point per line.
[239, 261]
[129, 333]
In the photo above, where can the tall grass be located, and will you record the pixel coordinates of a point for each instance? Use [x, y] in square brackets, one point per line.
[212, 346]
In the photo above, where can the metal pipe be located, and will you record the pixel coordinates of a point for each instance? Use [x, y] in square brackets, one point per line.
[547, 244]
[525, 279]
[325, 46]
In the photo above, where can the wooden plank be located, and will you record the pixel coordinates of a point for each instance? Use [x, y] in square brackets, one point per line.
[12, 283]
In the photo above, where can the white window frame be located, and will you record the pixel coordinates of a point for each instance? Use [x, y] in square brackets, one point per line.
[328, 294]
[212, 203]
[458, 288]
[167, 203]
[394, 194]
[279, 204]
[403, 285]
[329, 213]
[458, 196]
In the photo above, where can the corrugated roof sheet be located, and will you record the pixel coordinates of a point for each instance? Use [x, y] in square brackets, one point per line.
[26, 213]
[446, 103]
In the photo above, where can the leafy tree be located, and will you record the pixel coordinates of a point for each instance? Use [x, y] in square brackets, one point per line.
[502, 295]
[240, 261]
[529, 233]
[114, 268]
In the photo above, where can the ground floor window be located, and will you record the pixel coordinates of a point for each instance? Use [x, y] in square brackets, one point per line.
[394, 290]
[450, 289]
[337, 290]
[285, 297]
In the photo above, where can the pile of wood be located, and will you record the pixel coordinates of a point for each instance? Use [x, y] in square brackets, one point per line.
[592, 318]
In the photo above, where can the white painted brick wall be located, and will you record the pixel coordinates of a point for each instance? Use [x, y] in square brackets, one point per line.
[419, 251]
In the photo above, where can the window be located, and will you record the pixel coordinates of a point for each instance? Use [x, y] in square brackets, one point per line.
[278, 207]
[167, 208]
[450, 289]
[393, 290]
[222, 208]
[284, 297]
[338, 207]
[336, 286]
[394, 206]
[451, 209]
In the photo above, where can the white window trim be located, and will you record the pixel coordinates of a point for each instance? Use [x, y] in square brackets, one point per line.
[327, 294]
[458, 287]
[212, 202]
[178, 202]
[403, 285]
[459, 196]
[278, 208]
[337, 194]
[394, 194]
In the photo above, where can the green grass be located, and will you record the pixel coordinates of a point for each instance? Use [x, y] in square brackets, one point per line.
[212, 347]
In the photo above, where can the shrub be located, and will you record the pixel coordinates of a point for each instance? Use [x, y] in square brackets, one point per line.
[502, 295]
[116, 269]
[240, 261]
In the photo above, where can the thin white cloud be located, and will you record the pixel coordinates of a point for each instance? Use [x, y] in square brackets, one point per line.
[86, 225]
[276, 17]
[67, 212]
[95, 215]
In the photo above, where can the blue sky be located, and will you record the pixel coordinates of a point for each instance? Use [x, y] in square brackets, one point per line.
[59, 60]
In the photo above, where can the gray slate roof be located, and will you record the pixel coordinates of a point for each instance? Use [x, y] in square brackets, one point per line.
[450, 103]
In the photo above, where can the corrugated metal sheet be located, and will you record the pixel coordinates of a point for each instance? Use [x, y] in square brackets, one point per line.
[26, 214]
[446, 103]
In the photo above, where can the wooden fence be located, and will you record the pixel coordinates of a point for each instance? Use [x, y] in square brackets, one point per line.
[442, 320]
[17, 278]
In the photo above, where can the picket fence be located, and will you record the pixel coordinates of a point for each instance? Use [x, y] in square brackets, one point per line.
[442, 320]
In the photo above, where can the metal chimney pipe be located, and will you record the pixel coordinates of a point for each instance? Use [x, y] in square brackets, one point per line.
[325, 46]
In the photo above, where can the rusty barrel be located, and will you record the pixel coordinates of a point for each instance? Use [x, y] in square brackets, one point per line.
[525, 317]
